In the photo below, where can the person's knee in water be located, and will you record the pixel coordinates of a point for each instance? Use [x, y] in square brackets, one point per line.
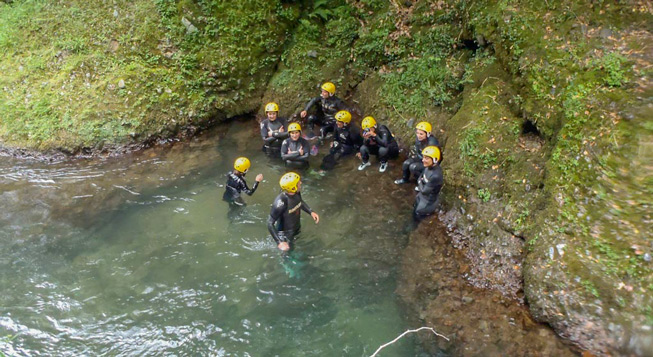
[413, 164]
[429, 183]
[284, 219]
[346, 141]
[274, 130]
[327, 105]
[295, 150]
[379, 141]
[236, 183]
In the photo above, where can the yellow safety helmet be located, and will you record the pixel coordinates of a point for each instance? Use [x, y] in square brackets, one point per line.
[424, 126]
[368, 122]
[343, 116]
[329, 87]
[433, 152]
[271, 107]
[242, 164]
[294, 127]
[289, 182]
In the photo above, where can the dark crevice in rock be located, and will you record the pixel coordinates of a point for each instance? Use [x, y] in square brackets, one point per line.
[528, 127]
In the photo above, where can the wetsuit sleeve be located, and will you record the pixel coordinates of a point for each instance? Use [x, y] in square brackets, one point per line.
[383, 138]
[306, 208]
[264, 133]
[416, 152]
[433, 141]
[284, 135]
[284, 151]
[276, 211]
[311, 103]
[249, 191]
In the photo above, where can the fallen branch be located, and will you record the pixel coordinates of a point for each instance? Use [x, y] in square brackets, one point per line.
[405, 333]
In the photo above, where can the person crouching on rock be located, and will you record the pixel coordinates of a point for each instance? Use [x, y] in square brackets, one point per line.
[327, 106]
[347, 140]
[429, 183]
[413, 165]
[295, 150]
[377, 140]
[273, 129]
[284, 219]
[236, 182]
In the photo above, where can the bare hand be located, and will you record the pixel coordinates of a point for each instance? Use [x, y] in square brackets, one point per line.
[316, 217]
[358, 155]
[303, 114]
[259, 178]
[301, 150]
[281, 129]
[270, 132]
[284, 246]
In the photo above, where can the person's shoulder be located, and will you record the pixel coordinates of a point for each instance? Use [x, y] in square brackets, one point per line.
[280, 200]
[432, 140]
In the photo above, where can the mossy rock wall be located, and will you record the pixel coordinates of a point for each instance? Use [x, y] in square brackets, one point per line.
[542, 107]
[86, 73]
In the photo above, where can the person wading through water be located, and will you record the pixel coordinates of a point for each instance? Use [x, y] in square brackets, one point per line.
[284, 219]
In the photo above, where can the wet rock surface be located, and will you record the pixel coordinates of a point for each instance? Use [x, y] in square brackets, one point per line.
[479, 322]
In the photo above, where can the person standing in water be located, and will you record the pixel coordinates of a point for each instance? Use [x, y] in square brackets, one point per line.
[379, 141]
[295, 150]
[236, 183]
[284, 219]
[273, 129]
[413, 165]
[429, 183]
[327, 107]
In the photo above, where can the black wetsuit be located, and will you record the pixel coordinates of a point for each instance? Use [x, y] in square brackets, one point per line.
[325, 115]
[429, 183]
[235, 185]
[273, 142]
[290, 152]
[347, 140]
[284, 222]
[383, 145]
[413, 165]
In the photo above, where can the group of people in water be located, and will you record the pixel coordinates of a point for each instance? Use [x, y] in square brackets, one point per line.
[286, 140]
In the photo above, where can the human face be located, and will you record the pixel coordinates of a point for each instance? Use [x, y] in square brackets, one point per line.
[427, 161]
[324, 94]
[340, 124]
[421, 134]
[272, 115]
[294, 134]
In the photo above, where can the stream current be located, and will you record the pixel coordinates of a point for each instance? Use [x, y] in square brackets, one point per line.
[139, 255]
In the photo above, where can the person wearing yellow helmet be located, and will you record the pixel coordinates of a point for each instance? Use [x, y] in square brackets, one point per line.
[413, 164]
[379, 141]
[236, 183]
[429, 183]
[284, 219]
[295, 150]
[273, 129]
[327, 105]
[346, 141]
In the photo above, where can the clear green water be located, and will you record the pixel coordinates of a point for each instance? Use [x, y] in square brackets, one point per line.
[139, 256]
